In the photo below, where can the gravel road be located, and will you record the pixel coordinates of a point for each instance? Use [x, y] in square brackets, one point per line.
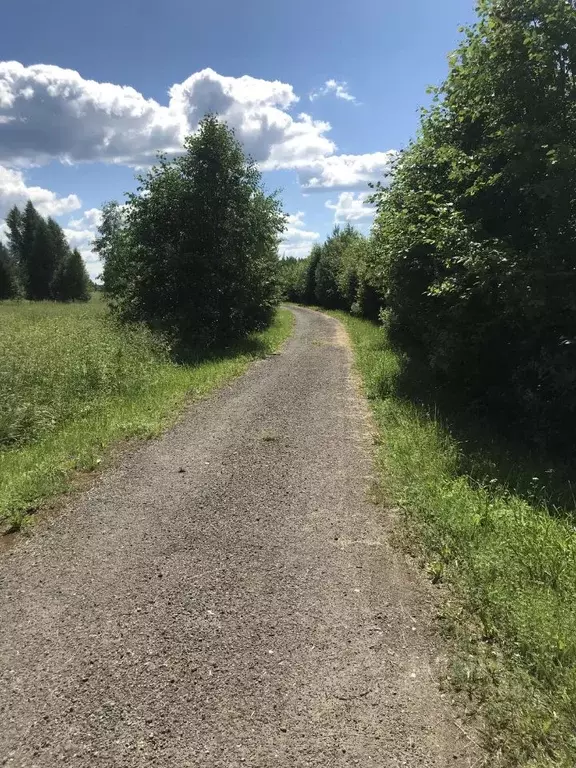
[227, 596]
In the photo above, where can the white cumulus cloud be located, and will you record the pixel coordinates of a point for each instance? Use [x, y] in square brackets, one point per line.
[89, 220]
[297, 241]
[347, 171]
[47, 112]
[15, 191]
[338, 89]
[50, 113]
[351, 207]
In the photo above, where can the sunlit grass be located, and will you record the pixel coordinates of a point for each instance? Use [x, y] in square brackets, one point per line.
[72, 384]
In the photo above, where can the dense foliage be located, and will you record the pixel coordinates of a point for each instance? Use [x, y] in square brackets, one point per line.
[194, 252]
[38, 262]
[70, 279]
[476, 238]
[335, 275]
[507, 552]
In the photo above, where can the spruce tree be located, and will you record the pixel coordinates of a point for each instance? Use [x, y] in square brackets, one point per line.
[24, 235]
[60, 247]
[71, 281]
[40, 263]
[14, 222]
[9, 288]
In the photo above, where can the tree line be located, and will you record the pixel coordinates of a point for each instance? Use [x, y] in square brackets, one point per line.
[471, 261]
[335, 275]
[37, 262]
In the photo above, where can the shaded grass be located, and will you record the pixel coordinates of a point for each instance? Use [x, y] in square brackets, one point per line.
[487, 453]
[509, 558]
[72, 384]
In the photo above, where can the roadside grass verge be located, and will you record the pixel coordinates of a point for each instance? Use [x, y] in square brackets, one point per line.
[508, 555]
[73, 384]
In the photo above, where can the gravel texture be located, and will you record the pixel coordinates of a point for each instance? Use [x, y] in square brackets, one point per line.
[227, 596]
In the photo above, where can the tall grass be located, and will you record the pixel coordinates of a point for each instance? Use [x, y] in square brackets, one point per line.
[72, 383]
[511, 563]
[58, 361]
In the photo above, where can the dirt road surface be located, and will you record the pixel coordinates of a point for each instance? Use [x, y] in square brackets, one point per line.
[227, 596]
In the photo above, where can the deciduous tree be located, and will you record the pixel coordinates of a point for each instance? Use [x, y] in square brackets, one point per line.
[196, 255]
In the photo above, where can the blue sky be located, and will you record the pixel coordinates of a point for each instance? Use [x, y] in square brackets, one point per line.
[320, 92]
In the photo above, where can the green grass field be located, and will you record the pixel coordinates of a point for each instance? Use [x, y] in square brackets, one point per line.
[509, 559]
[72, 384]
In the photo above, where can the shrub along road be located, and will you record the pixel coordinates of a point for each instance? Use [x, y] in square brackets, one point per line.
[228, 596]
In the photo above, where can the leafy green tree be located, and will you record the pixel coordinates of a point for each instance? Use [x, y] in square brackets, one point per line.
[326, 288]
[196, 255]
[362, 296]
[311, 266]
[71, 281]
[9, 288]
[112, 245]
[336, 279]
[293, 278]
[352, 250]
[338, 273]
[476, 238]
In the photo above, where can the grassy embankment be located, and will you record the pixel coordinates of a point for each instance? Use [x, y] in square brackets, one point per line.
[72, 384]
[503, 538]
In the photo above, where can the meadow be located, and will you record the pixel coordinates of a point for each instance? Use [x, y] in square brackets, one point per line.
[73, 383]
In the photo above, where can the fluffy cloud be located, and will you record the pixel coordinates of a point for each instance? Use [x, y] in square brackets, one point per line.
[14, 191]
[257, 110]
[90, 219]
[350, 207]
[80, 233]
[347, 171]
[297, 241]
[49, 113]
[340, 90]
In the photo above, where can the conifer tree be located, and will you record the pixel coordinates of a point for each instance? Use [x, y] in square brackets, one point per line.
[40, 263]
[9, 288]
[71, 281]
